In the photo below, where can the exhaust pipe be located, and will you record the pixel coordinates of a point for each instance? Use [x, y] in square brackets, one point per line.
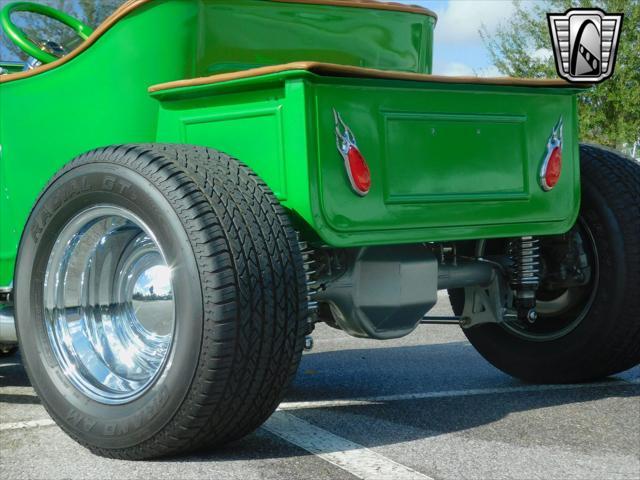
[7, 326]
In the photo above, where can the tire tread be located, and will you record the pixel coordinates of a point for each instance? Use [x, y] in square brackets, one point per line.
[253, 288]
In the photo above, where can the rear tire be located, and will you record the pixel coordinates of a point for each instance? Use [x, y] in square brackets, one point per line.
[238, 289]
[607, 339]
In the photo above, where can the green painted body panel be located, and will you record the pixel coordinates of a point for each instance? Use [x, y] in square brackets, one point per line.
[98, 98]
[271, 35]
[448, 162]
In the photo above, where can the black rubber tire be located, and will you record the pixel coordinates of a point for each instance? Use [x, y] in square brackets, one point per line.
[607, 341]
[239, 288]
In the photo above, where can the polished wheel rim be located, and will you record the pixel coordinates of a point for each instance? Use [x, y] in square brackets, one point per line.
[109, 306]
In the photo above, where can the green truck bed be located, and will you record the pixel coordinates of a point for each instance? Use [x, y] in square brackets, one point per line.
[449, 159]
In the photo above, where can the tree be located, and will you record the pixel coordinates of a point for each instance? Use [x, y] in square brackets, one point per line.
[37, 27]
[610, 111]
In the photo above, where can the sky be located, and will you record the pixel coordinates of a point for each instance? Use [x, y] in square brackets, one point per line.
[458, 48]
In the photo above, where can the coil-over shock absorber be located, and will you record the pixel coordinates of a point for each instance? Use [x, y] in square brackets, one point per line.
[525, 275]
[312, 304]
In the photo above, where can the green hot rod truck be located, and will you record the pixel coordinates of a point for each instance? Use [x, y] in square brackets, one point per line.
[185, 193]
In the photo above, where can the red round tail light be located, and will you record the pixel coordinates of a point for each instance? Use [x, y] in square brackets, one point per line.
[354, 162]
[552, 164]
[554, 167]
[359, 173]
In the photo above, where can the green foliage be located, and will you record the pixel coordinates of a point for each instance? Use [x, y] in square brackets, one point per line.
[610, 111]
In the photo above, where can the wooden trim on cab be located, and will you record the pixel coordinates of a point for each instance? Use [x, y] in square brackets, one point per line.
[131, 5]
[334, 70]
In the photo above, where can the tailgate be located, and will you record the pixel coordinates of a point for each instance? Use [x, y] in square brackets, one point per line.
[447, 161]
[450, 158]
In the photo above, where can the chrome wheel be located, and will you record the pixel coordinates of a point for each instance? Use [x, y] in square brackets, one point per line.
[109, 307]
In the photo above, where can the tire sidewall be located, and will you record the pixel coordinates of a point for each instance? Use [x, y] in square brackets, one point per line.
[561, 358]
[101, 425]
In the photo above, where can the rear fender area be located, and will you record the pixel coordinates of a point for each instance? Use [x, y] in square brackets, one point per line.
[449, 159]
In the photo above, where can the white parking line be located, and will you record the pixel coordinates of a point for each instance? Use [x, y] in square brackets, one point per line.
[30, 424]
[349, 456]
[3, 365]
[396, 398]
[451, 393]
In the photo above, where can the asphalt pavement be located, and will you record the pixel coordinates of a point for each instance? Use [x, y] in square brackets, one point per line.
[423, 407]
